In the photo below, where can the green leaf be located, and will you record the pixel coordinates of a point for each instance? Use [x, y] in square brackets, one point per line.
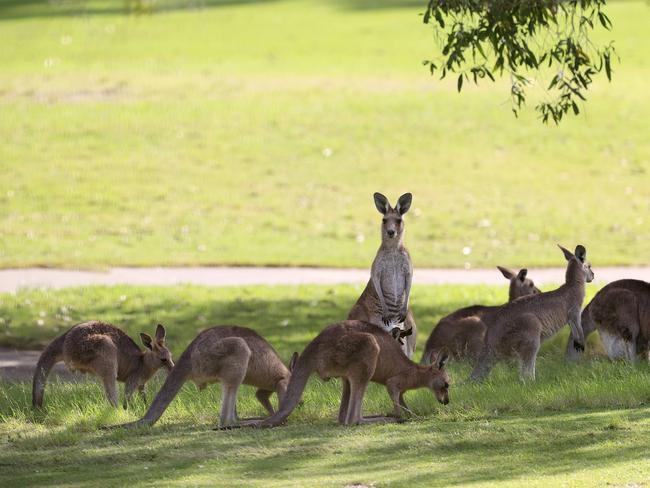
[460, 83]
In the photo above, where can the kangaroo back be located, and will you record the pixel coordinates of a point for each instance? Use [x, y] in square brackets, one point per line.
[52, 354]
[304, 367]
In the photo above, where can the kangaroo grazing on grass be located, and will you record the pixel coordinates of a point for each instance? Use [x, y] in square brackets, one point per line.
[359, 352]
[518, 328]
[107, 352]
[620, 312]
[461, 333]
[385, 300]
[229, 355]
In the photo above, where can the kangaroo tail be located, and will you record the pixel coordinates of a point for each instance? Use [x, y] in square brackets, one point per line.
[304, 367]
[175, 380]
[52, 354]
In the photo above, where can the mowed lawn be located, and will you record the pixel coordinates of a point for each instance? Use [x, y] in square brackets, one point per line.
[256, 132]
[577, 425]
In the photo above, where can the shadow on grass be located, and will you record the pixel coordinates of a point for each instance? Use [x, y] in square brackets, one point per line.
[455, 453]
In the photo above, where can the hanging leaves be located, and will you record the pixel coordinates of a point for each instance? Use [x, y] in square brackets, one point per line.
[479, 39]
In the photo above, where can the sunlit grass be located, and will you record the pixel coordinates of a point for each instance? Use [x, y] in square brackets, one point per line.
[162, 139]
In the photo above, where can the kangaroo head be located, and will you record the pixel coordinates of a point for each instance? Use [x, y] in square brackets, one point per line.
[578, 267]
[520, 285]
[438, 377]
[156, 354]
[392, 225]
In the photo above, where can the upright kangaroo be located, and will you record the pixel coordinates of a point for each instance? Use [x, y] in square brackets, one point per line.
[621, 313]
[105, 351]
[385, 300]
[359, 352]
[461, 333]
[230, 355]
[518, 328]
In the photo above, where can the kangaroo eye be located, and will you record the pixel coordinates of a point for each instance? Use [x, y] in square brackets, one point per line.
[446, 385]
[384, 220]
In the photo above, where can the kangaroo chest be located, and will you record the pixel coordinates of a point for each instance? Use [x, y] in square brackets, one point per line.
[394, 269]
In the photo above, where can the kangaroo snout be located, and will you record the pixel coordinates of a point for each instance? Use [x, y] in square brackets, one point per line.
[391, 233]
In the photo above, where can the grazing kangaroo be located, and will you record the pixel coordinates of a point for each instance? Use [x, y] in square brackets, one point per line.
[620, 312]
[359, 352]
[385, 300]
[518, 328]
[461, 333]
[229, 355]
[107, 352]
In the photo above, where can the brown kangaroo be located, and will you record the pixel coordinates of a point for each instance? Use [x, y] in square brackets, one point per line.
[385, 300]
[461, 333]
[359, 352]
[620, 312]
[518, 328]
[107, 352]
[229, 355]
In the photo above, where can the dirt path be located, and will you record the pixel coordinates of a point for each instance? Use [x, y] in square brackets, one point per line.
[12, 280]
[17, 365]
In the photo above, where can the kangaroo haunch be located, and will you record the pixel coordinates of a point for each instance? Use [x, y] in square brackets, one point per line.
[462, 332]
[385, 300]
[518, 328]
[107, 352]
[359, 352]
[620, 312]
[230, 355]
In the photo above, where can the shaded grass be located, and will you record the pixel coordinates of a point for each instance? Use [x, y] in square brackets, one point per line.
[583, 424]
[162, 140]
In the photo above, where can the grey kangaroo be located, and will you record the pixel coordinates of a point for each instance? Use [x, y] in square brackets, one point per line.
[461, 333]
[359, 352]
[232, 356]
[518, 328]
[107, 352]
[385, 300]
[620, 312]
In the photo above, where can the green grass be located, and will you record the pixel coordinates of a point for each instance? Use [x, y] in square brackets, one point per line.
[199, 136]
[580, 425]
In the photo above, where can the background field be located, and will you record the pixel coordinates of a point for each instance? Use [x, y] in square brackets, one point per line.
[256, 132]
[582, 425]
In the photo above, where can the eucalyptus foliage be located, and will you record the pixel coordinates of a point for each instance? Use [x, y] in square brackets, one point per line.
[478, 39]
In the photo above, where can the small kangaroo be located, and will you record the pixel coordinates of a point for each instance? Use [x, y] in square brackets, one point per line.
[107, 352]
[620, 312]
[518, 328]
[462, 332]
[359, 352]
[230, 355]
[385, 300]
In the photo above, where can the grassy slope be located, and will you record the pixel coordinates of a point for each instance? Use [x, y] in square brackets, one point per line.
[197, 136]
[583, 425]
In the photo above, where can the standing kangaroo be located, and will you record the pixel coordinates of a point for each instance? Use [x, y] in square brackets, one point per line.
[462, 331]
[518, 328]
[385, 300]
[229, 355]
[359, 352]
[107, 352]
[620, 312]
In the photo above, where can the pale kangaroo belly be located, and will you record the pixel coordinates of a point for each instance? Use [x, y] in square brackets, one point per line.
[393, 287]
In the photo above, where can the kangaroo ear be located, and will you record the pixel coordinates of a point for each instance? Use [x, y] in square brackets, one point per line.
[442, 358]
[293, 361]
[522, 274]
[404, 203]
[161, 333]
[507, 273]
[567, 253]
[581, 253]
[381, 202]
[146, 340]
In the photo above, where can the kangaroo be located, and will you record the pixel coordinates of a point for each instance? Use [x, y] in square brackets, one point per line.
[107, 352]
[462, 331]
[359, 352]
[518, 328]
[230, 355]
[620, 312]
[385, 300]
